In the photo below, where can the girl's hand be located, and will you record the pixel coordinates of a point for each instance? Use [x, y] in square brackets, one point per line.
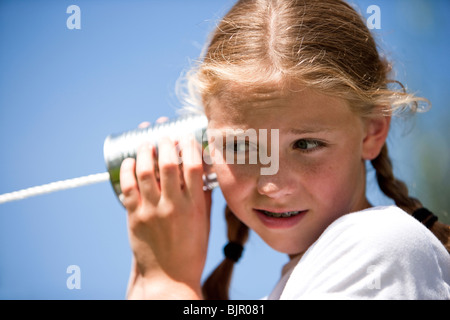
[168, 220]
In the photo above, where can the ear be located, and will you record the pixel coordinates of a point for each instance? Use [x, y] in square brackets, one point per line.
[376, 132]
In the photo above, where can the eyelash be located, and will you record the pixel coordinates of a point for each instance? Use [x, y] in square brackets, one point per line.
[318, 145]
[235, 144]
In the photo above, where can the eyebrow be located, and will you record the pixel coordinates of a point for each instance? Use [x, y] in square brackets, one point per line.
[240, 135]
[297, 131]
[309, 130]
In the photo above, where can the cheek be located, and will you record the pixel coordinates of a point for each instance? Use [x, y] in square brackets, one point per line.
[236, 183]
[337, 184]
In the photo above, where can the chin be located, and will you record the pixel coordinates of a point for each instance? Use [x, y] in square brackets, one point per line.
[287, 247]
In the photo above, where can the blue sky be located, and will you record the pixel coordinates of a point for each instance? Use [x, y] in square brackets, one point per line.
[63, 91]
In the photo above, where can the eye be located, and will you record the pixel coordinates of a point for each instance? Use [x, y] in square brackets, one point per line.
[236, 146]
[308, 145]
[241, 147]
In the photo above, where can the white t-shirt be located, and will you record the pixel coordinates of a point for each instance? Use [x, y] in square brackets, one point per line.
[378, 253]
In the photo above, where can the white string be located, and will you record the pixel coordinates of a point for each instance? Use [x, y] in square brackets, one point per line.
[54, 186]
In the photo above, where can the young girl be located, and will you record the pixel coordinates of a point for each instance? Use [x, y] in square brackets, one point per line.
[311, 70]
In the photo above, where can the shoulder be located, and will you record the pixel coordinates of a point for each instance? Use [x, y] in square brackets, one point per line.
[385, 230]
[381, 252]
[384, 227]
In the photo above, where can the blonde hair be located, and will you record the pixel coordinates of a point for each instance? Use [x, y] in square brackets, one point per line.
[321, 44]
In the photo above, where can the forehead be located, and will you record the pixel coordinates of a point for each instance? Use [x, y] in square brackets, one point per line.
[275, 106]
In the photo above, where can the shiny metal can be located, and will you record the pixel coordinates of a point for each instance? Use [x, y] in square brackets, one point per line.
[118, 147]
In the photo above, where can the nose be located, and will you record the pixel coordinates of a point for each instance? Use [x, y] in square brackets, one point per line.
[278, 185]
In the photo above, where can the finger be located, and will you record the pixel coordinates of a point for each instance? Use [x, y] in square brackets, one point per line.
[169, 171]
[144, 124]
[128, 185]
[145, 173]
[147, 124]
[208, 202]
[192, 167]
[162, 120]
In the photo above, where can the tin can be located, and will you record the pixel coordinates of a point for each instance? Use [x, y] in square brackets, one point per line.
[118, 147]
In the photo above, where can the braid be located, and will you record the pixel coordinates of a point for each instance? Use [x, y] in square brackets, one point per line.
[218, 283]
[392, 187]
[397, 191]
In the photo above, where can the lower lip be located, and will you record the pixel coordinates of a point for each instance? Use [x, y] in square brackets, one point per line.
[279, 223]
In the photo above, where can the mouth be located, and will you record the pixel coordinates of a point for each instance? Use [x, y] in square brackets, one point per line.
[280, 219]
[285, 214]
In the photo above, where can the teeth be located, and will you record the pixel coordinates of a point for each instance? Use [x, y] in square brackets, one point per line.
[282, 215]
